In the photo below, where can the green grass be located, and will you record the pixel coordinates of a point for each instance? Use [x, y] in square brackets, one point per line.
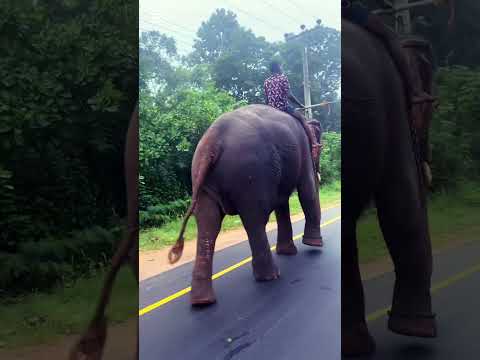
[453, 218]
[44, 317]
[157, 238]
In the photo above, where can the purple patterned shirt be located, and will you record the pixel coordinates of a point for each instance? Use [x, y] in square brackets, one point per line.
[276, 89]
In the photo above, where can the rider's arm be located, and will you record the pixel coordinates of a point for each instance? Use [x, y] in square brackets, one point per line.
[291, 97]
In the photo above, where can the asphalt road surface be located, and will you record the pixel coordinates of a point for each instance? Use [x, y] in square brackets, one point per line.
[295, 317]
[456, 301]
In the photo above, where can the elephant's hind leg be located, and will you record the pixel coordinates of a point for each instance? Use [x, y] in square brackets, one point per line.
[255, 221]
[285, 245]
[209, 218]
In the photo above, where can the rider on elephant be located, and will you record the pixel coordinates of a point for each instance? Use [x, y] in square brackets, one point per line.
[277, 94]
[360, 15]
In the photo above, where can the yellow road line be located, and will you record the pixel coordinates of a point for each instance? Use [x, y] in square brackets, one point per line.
[334, 205]
[216, 276]
[441, 285]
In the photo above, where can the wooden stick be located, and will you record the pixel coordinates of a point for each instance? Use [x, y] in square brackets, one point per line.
[317, 105]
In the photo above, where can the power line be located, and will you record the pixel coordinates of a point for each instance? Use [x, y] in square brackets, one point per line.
[299, 9]
[180, 45]
[186, 38]
[177, 40]
[255, 17]
[183, 33]
[296, 21]
[157, 17]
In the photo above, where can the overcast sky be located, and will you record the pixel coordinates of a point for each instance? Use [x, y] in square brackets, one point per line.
[271, 18]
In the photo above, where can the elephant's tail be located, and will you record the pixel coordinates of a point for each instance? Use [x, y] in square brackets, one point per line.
[207, 154]
[176, 251]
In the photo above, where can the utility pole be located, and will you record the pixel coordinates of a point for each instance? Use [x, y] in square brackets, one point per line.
[306, 78]
[403, 21]
[306, 85]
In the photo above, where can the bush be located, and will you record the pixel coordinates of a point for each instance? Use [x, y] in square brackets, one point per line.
[168, 138]
[40, 265]
[455, 133]
[68, 84]
[159, 215]
[330, 159]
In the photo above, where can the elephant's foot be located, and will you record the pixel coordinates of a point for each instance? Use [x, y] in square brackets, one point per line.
[413, 325]
[202, 292]
[286, 248]
[313, 241]
[312, 235]
[357, 341]
[265, 269]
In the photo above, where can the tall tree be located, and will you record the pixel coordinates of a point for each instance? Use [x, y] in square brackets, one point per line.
[238, 58]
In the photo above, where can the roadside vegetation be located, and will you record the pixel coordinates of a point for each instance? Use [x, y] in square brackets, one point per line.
[182, 94]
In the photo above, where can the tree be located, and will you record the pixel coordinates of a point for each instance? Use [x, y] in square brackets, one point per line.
[156, 51]
[238, 59]
[168, 138]
[324, 67]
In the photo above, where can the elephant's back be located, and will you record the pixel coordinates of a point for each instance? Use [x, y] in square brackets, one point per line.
[260, 149]
[256, 127]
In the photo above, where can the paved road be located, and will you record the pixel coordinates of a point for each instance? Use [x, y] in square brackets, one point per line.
[456, 300]
[295, 317]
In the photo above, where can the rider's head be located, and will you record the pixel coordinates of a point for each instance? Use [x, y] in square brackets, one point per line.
[275, 67]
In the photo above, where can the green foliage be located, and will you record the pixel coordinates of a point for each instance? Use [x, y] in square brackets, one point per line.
[159, 215]
[68, 83]
[40, 265]
[168, 138]
[324, 63]
[457, 47]
[330, 159]
[238, 58]
[455, 133]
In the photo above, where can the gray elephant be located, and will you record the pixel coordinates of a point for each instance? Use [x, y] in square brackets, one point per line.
[382, 162]
[248, 163]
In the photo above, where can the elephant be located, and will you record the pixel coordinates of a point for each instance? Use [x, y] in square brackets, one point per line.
[381, 163]
[248, 163]
[91, 344]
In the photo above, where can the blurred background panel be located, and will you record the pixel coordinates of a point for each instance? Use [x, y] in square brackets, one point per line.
[69, 85]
